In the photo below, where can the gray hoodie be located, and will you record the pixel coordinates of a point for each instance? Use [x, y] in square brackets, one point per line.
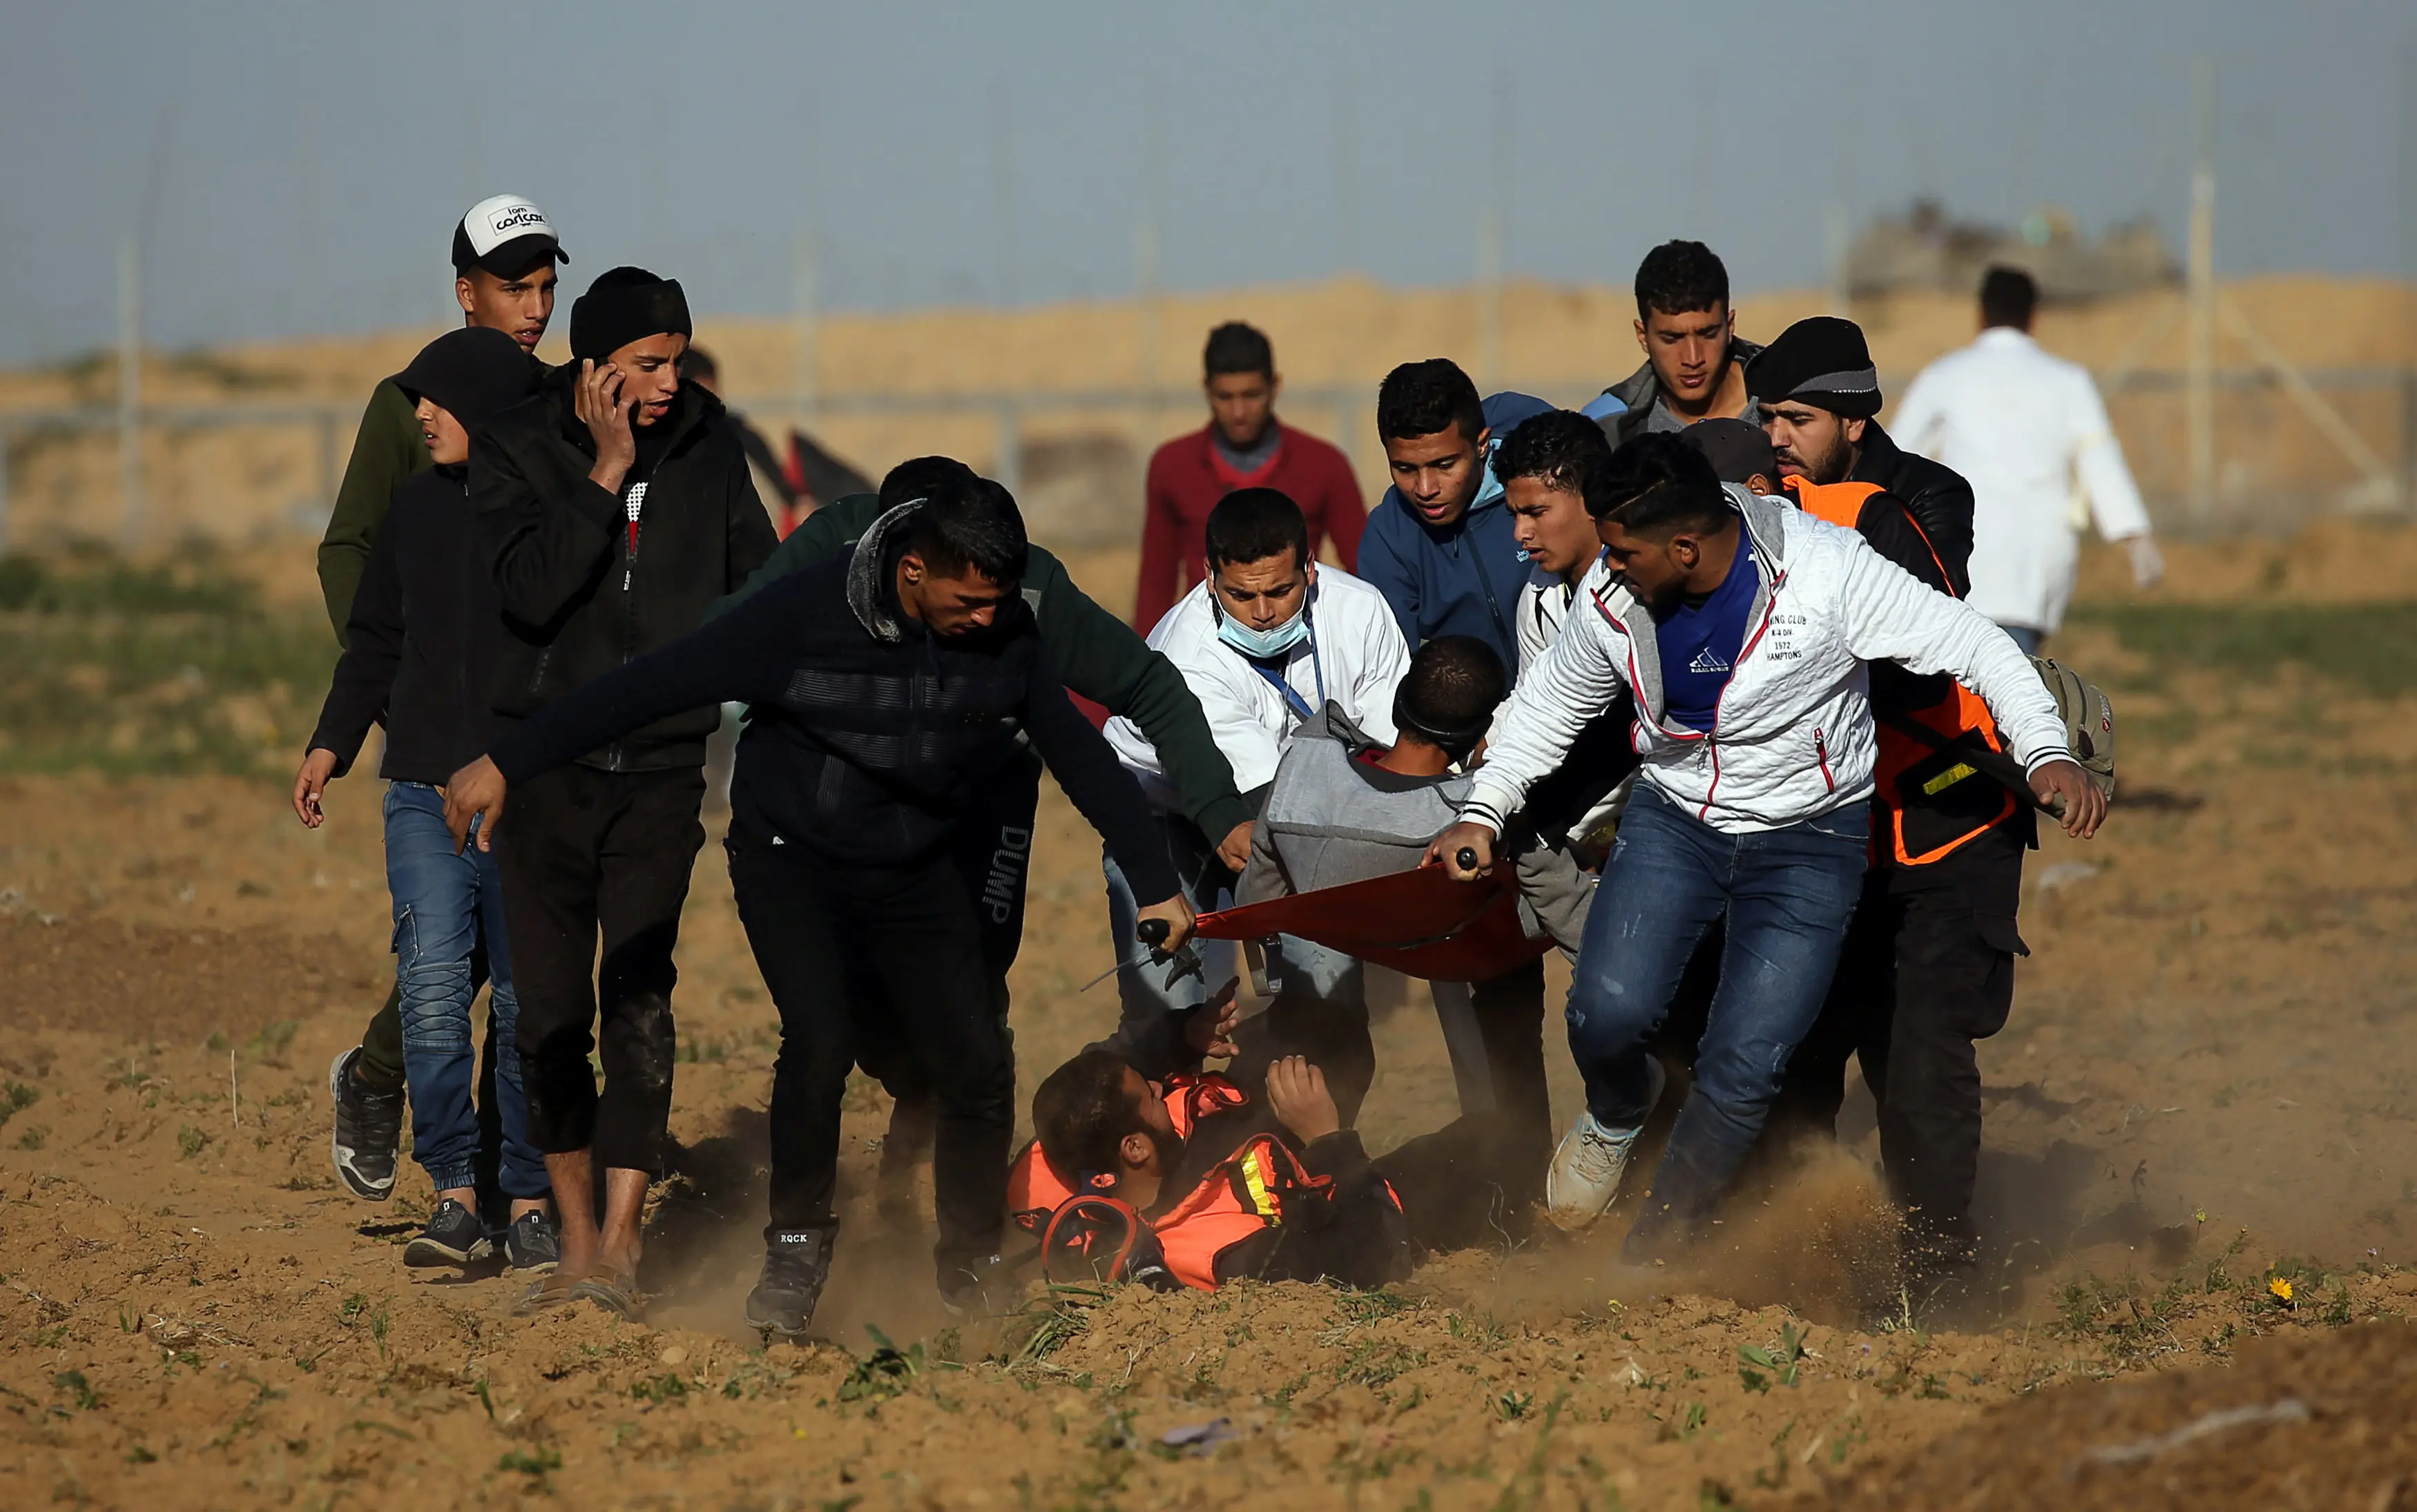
[1333, 819]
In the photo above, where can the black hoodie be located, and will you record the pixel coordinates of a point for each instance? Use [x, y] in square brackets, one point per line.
[580, 590]
[867, 733]
[419, 641]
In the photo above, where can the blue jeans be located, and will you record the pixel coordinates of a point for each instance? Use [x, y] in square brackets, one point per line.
[446, 907]
[2028, 639]
[1788, 895]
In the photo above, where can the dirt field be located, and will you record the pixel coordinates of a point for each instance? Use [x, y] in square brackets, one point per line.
[2203, 1103]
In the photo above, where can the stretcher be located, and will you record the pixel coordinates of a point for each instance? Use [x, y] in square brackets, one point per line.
[1420, 923]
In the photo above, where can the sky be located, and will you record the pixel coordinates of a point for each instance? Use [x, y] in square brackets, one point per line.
[296, 168]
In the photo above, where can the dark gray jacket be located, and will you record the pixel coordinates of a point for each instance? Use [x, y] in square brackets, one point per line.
[1640, 389]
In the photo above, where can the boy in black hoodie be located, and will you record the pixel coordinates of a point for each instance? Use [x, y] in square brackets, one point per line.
[617, 505]
[418, 646]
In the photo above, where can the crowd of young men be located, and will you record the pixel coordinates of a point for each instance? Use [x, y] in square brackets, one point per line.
[1706, 637]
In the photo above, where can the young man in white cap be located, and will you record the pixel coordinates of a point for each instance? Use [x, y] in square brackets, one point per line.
[504, 255]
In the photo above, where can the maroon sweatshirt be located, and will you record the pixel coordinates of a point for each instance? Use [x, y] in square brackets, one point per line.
[1187, 478]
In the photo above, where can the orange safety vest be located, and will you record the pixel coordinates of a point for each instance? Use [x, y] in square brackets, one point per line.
[1034, 1187]
[1907, 767]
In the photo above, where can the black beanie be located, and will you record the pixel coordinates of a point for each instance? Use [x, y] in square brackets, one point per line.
[622, 306]
[1822, 362]
[474, 374]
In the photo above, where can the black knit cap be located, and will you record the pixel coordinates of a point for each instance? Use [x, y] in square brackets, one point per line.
[1737, 450]
[474, 374]
[1822, 362]
[622, 306]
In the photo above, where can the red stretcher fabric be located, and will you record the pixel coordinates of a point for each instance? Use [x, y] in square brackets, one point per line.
[1419, 923]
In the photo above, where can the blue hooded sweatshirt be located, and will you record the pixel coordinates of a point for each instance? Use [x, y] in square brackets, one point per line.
[1464, 579]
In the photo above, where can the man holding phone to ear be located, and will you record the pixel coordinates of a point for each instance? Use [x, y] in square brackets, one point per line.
[617, 505]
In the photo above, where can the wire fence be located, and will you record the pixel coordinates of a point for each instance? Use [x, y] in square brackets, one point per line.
[2291, 447]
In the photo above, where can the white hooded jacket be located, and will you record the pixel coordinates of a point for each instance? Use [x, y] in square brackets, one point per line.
[1792, 738]
[1353, 657]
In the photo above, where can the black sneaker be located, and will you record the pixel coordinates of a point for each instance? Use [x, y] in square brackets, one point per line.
[369, 1127]
[532, 1243]
[453, 1237]
[795, 1266]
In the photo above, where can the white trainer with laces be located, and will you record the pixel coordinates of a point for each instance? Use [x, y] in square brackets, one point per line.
[1586, 1170]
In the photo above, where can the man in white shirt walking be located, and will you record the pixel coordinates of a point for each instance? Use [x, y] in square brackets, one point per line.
[1266, 641]
[2028, 431]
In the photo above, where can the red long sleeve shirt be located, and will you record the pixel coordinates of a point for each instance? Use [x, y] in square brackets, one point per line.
[1184, 484]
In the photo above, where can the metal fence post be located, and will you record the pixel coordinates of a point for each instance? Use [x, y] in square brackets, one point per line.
[1010, 466]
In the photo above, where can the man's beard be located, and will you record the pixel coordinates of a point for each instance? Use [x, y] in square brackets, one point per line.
[1827, 467]
[1169, 1145]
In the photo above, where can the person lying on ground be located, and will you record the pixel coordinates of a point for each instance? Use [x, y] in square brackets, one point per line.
[1266, 640]
[1099, 657]
[891, 687]
[1203, 1179]
[1345, 807]
[504, 255]
[1739, 630]
[416, 649]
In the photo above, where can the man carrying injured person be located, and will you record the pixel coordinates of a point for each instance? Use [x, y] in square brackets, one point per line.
[1740, 628]
[1345, 807]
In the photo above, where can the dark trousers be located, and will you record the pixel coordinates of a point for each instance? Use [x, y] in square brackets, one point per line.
[1511, 1018]
[1927, 970]
[991, 851]
[912, 933]
[594, 859]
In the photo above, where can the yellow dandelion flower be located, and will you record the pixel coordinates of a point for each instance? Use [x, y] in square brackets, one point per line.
[2281, 1287]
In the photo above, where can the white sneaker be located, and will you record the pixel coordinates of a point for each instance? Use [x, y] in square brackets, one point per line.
[1586, 1170]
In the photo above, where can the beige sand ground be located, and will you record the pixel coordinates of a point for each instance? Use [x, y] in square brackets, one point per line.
[2210, 1070]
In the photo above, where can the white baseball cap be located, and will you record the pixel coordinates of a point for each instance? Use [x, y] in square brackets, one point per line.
[507, 235]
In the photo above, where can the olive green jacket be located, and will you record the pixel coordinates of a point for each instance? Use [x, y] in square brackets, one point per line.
[1097, 655]
[387, 453]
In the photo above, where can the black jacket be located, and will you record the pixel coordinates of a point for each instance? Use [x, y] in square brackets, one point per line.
[582, 591]
[420, 639]
[867, 733]
[1936, 495]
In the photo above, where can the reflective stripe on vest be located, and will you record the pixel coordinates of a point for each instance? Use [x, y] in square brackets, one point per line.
[1239, 1198]
[1960, 713]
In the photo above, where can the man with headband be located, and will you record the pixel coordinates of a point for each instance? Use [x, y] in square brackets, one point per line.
[616, 506]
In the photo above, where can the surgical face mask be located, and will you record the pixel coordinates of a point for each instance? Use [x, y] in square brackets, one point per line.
[1263, 644]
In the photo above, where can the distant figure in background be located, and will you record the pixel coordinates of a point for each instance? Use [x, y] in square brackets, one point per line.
[2030, 434]
[804, 480]
[1695, 365]
[1243, 445]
